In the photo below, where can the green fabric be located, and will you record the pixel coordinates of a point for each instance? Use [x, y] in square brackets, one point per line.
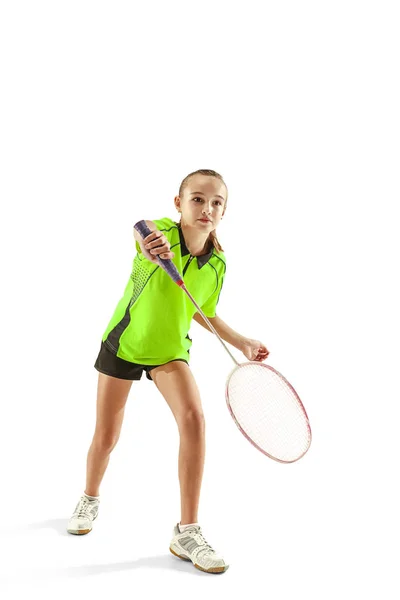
[151, 322]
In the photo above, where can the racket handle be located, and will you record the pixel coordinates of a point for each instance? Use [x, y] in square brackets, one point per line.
[165, 263]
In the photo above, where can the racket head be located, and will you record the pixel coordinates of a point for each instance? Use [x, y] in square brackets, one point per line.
[268, 411]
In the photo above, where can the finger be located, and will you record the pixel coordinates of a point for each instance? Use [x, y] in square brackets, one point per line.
[153, 235]
[162, 253]
[148, 239]
[160, 250]
[155, 243]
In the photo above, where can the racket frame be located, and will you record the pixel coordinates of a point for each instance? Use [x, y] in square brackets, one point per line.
[252, 362]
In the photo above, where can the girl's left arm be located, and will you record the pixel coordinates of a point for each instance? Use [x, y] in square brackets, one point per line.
[252, 349]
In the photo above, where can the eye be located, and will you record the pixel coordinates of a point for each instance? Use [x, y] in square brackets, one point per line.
[218, 201]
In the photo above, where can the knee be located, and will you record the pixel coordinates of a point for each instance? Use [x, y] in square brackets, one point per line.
[105, 441]
[192, 420]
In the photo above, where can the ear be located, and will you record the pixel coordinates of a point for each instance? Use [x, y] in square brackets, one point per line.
[177, 203]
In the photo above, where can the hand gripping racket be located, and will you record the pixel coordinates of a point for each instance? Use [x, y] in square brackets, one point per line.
[263, 404]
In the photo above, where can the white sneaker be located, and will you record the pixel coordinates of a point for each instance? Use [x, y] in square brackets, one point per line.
[191, 545]
[85, 513]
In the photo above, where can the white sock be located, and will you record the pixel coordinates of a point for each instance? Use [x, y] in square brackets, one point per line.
[183, 527]
[91, 497]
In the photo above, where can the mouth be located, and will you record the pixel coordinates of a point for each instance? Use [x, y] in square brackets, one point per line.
[205, 220]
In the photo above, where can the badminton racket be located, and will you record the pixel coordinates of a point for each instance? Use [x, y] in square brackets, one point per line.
[263, 404]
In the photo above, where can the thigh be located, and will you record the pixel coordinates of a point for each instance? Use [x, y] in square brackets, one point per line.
[177, 384]
[112, 394]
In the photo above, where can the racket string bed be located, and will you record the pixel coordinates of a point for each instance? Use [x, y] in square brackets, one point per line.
[268, 411]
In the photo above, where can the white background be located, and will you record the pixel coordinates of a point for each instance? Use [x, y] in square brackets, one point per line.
[105, 108]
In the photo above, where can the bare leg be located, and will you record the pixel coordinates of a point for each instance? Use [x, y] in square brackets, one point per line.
[191, 467]
[97, 461]
[112, 394]
[176, 383]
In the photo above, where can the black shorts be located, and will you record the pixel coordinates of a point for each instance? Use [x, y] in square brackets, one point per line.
[109, 364]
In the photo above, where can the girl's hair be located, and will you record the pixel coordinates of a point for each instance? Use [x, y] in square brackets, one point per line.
[212, 237]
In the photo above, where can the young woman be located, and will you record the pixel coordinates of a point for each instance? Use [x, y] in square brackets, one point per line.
[149, 332]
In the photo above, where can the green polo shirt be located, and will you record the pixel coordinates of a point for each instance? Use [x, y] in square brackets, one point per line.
[151, 322]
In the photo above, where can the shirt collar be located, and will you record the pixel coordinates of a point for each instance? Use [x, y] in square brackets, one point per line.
[201, 260]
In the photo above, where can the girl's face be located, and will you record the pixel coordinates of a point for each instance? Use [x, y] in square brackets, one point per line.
[203, 202]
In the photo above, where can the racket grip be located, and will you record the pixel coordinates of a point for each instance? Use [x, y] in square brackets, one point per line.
[165, 263]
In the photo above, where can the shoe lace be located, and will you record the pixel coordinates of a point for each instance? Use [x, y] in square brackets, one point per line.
[199, 537]
[83, 507]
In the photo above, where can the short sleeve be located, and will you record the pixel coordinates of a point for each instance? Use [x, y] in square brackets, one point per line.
[166, 225]
[209, 308]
